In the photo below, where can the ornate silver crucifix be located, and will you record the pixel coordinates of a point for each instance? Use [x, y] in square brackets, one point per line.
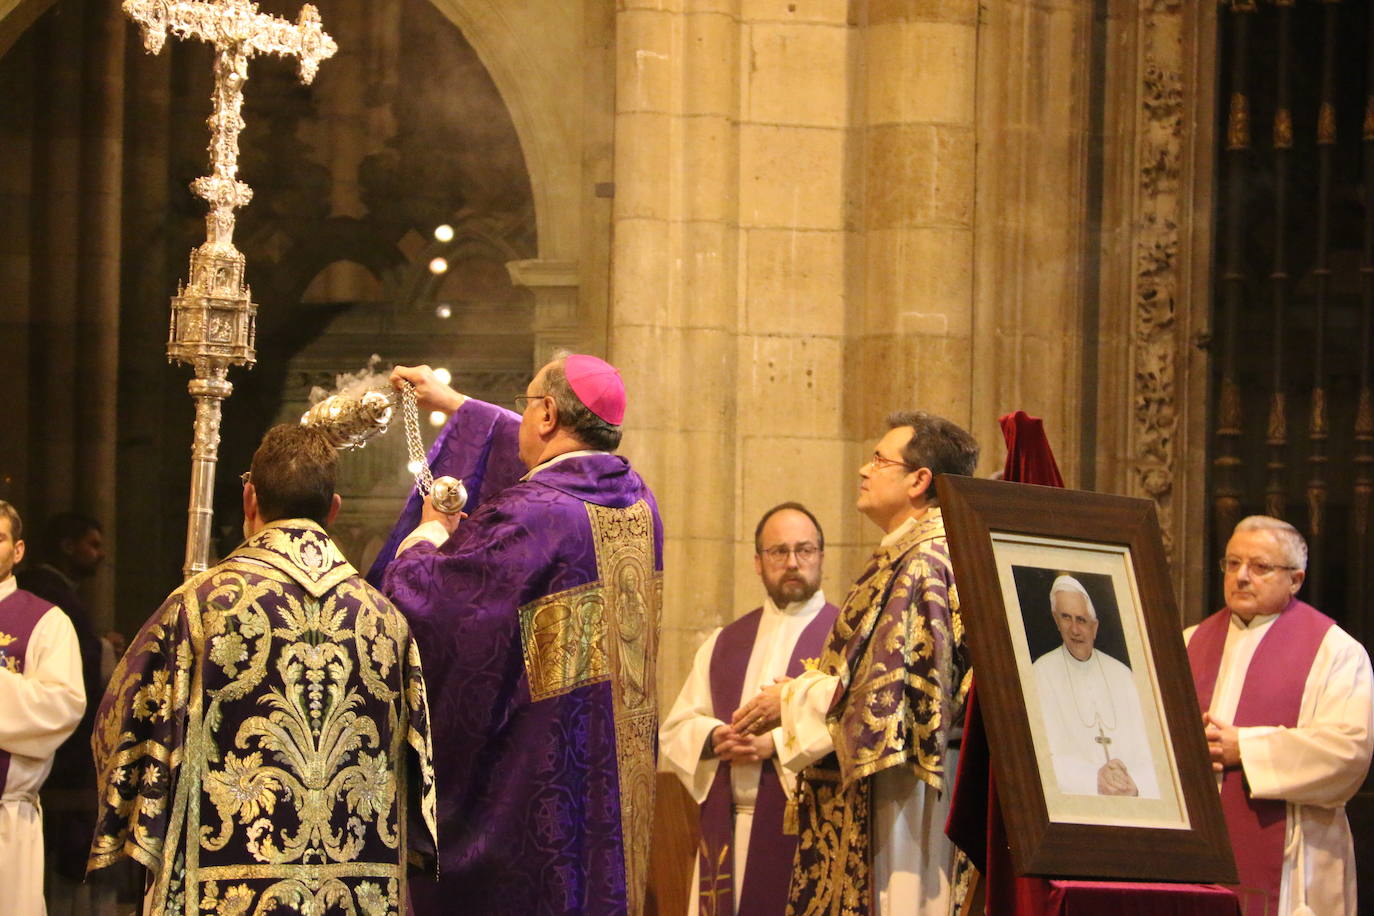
[213, 321]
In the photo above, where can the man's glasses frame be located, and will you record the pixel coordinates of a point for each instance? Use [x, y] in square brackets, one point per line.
[1258, 568]
[523, 400]
[805, 552]
[878, 462]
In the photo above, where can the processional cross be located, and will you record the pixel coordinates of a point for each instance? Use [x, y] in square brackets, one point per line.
[213, 324]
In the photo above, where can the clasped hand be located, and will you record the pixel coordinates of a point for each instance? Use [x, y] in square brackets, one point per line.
[732, 747]
[1223, 742]
[763, 713]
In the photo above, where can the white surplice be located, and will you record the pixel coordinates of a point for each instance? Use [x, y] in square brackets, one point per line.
[687, 729]
[913, 860]
[39, 708]
[1316, 767]
[1085, 702]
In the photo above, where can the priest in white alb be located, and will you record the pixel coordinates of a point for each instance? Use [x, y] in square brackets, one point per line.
[744, 859]
[41, 702]
[1286, 700]
[1090, 705]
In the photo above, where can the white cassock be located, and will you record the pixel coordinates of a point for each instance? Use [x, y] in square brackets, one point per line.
[1316, 767]
[913, 860]
[39, 708]
[692, 719]
[1082, 702]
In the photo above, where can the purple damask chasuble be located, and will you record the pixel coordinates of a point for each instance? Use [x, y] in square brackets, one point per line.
[1271, 695]
[769, 859]
[19, 614]
[262, 739]
[902, 613]
[538, 620]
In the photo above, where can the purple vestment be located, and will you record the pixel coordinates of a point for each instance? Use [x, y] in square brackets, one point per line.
[769, 857]
[19, 614]
[1257, 825]
[261, 740]
[538, 622]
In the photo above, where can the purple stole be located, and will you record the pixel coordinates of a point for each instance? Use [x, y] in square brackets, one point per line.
[19, 614]
[1257, 825]
[770, 849]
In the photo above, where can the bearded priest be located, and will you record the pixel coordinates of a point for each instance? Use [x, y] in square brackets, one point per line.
[538, 617]
[263, 739]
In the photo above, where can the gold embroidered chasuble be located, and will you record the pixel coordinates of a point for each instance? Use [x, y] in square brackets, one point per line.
[898, 650]
[264, 745]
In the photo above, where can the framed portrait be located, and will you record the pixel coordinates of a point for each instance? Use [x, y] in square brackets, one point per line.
[1083, 682]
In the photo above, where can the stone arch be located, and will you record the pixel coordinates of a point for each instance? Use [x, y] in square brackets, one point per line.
[528, 56]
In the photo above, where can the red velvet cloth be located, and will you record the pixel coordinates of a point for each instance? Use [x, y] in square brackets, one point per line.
[1133, 898]
[975, 822]
[1029, 457]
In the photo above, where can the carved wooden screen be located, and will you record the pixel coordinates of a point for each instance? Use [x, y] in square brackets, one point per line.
[1293, 418]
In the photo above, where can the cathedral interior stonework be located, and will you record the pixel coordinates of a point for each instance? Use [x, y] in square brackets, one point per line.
[780, 219]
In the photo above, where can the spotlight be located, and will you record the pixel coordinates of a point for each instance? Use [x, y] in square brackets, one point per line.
[413, 467]
[443, 375]
[438, 266]
[437, 418]
[443, 233]
[444, 310]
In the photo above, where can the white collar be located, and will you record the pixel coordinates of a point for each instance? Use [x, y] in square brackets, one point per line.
[557, 458]
[1258, 620]
[806, 608]
[901, 531]
[8, 587]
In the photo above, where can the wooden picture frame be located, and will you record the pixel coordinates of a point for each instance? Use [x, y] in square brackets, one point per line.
[1009, 544]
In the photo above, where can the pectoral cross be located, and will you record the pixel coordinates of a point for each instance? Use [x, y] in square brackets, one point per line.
[1103, 740]
[214, 320]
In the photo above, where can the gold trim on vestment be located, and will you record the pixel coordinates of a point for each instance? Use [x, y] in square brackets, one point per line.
[633, 591]
[563, 637]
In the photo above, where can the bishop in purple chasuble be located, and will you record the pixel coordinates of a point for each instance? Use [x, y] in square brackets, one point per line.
[263, 747]
[771, 846]
[538, 619]
[898, 651]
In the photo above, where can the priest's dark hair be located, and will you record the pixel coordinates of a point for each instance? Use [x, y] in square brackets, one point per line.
[593, 431]
[795, 507]
[936, 443]
[293, 473]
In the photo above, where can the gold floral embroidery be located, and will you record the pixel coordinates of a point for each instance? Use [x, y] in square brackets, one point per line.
[292, 793]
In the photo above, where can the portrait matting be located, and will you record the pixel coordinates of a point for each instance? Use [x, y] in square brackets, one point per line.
[1090, 713]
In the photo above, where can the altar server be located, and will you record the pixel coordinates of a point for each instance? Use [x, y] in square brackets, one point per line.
[41, 702]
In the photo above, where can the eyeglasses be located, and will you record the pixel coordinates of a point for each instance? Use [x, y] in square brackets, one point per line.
[878, 462]
[246, 477]
[1258, 568]
[522, 401]
[805, 551]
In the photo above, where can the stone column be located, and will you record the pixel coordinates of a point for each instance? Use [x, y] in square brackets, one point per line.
[97, 323]
[911, 276]
[555, 286]
[17, 458]
[675, 301]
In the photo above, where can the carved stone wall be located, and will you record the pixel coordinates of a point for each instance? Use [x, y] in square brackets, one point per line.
[1156, 268]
